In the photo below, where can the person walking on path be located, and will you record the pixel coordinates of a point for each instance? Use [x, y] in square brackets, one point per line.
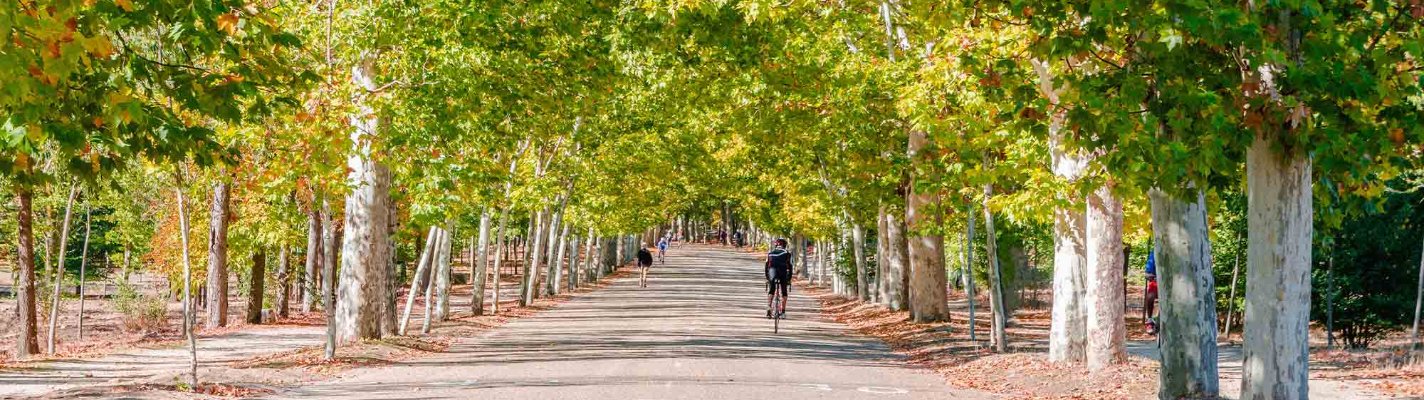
[645, 260]
[662, 249]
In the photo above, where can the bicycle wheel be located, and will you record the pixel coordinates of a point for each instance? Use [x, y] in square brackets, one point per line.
[776, 311]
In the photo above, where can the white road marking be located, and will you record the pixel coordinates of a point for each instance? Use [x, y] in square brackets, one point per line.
[882, 390]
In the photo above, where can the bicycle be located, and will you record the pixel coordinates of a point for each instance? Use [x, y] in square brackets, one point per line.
[778, 310]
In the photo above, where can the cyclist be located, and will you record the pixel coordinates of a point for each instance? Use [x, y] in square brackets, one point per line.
[645, 260]
[778, 274]
[662, 249]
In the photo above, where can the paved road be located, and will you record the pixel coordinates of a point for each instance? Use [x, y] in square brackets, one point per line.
[698, 332]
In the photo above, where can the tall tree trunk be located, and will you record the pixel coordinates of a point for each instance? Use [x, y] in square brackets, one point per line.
[217, 255]
[1231, 298]
[823, 249]
[928, 297]
[1188, 297]
[882, 258]
[441, 236]
[621, 252]
[58, 261]
[1068, 330]
[1107, 329]
[311, 281]
[28, 339]
[862, 281]
[804, 259]
[188, 315]
[551, 247]
[1280, 214]
[499, 257]
[997, 337]
[442, 273]
[258, 277]
[897, 263]
[531, 270]
[612, 250]
[968, 272]
[426, 255]
[845, 249]
[558, 263]
[389, 309]
[329, 283]
[84, 265]
[284, 281]
[365, 243]
[1418, 301]
[573, 268]
[590, 247]
[479, 266]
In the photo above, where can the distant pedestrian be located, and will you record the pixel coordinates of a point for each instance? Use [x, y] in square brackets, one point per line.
[645, 261]
[662, 249]
[1149, 299]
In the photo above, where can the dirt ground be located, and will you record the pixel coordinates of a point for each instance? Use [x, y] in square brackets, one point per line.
[1024, 372]
[272, 366]
[103, 330]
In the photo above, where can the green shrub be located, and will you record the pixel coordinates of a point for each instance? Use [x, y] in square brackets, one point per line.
[139, 312]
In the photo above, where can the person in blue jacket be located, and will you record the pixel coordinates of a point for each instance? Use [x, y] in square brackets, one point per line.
[1149, 300]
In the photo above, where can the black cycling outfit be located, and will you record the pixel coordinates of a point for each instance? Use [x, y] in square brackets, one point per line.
[778, 270]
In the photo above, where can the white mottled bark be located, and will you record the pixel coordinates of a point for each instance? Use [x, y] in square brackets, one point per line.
[499, 245]
[1188, 297]
[531, 270]
[440, 236]
[1107, 329]
[1068, 331]
[363, 280]
[882, 259]
[57, 262]
[551, 252]
[442, 274]
[311, 282]
[217, 255]
[284, 281]
[862, 281]
[480, 267]
[587, 264]
[188, 317]
[998, 338]
[928, 285]
[328, 277]
[559, 260]
[1279, 214]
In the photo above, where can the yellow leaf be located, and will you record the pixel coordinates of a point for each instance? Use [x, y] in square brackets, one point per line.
[228, 23]
[99, 47]
[127, 5]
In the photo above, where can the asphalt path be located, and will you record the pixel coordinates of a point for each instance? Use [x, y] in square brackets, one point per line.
[699, 331]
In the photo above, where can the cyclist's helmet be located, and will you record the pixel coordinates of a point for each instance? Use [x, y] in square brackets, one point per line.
[779, 243]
